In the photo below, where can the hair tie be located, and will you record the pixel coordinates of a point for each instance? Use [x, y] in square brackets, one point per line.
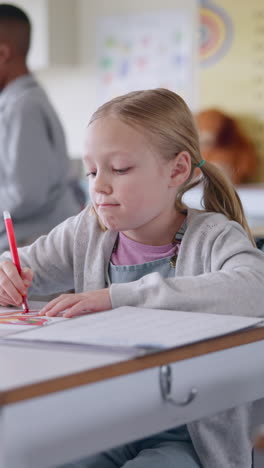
[201, 163]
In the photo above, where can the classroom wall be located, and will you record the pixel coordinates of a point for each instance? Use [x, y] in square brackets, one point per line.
[72, 91]
[73, 88]
[234, 82]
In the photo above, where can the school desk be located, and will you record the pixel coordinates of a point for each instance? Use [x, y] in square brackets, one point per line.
[61, 404]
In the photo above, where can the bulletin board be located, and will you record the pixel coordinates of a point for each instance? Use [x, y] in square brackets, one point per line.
[148, 50]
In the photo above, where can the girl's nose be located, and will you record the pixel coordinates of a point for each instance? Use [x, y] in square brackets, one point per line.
[102, 184]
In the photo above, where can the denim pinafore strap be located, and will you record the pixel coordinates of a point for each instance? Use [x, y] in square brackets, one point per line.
[165, 266]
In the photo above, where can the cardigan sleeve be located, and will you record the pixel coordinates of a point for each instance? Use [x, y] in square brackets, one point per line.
[231, 279]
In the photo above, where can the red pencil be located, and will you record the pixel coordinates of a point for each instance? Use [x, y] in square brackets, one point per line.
[13, 249]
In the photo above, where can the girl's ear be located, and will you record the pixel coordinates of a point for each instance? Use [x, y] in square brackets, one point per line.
[180, 169]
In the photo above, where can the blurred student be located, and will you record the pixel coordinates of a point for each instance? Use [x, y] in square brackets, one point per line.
[34, 167]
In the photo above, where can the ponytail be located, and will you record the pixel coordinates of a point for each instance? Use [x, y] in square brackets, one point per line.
[219, 196]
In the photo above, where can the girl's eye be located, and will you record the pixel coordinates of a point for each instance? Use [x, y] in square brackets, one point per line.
[122, 171]
[92, 174]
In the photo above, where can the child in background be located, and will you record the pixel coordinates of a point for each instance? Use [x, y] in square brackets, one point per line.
[35, 183]
[139, 245]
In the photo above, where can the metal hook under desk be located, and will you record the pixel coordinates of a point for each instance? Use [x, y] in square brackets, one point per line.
[165, 386]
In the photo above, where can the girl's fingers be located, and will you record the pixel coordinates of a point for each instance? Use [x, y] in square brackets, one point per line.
[52, 304]
[88, 303]
[11, 274]
[10, 290]
[77, 304]
[11, 282]
[5, 299]
[14, 296]
[60, 305]
[27, 276]
[78, 309]
[4, 303]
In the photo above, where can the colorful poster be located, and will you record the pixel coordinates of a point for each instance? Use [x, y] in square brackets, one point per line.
[147, 51]
[216, 32]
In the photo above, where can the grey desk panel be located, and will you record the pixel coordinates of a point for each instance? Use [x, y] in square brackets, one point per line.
[50, 430]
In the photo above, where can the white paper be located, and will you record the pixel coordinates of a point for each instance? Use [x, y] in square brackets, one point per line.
[138, 327]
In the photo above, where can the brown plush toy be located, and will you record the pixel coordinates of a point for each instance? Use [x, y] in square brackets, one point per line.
[224, 144]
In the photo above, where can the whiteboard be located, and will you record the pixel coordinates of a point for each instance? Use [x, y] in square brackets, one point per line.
[148, 50]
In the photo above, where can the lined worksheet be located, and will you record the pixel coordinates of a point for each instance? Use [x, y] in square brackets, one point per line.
[137, 327]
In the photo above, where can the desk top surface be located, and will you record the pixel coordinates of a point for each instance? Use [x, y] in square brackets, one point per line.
[28, 372]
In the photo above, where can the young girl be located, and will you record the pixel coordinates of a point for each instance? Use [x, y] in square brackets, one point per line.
[139, 245]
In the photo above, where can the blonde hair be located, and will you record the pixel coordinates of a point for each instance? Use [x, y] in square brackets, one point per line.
[168, 124]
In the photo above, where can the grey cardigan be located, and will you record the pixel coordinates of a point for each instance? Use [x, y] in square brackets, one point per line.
[217, 271]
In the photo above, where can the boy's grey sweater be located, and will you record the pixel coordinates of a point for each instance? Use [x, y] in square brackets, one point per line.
[217, 271]
[34, 166]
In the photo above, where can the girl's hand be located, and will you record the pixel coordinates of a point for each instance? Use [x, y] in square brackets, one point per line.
[12, 285]
[78, 304]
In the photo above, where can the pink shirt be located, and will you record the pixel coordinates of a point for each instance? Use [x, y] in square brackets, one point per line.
[129, 252]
